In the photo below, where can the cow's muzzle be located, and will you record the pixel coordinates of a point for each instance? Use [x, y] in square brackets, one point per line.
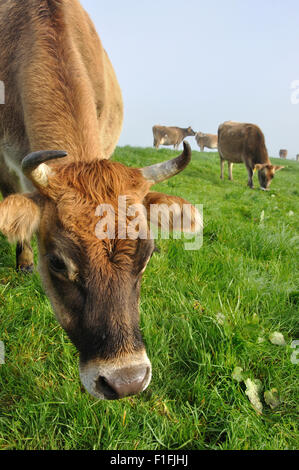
[112, 380]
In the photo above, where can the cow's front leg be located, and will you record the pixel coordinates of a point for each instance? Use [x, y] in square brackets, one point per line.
[230, 171]
[24, 257]
[250, 176]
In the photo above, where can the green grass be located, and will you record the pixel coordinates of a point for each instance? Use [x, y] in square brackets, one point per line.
[247, 270]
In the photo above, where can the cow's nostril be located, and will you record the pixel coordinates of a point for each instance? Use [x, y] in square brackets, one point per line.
[124, 382]
[103, 387]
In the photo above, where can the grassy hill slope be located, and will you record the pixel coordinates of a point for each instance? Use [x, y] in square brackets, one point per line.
[203, 313]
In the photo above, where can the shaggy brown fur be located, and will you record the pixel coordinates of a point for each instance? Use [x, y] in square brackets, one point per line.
[19, 219]
[61, 90]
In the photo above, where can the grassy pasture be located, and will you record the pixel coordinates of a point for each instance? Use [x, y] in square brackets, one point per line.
[247, 271]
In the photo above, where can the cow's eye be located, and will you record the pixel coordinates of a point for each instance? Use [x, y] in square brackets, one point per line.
[57, 264]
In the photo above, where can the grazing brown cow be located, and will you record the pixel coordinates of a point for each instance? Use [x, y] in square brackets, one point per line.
[61, 93]
[170, 135]
[283, 153]
[206, 140]
[245, 143]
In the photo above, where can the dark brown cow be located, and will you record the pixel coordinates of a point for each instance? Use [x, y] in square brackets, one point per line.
[206, 140]
[245, 143]
[170, 135]
[61, 93]
[283, 153]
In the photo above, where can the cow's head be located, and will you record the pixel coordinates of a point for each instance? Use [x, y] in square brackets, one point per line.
[190, 131]
[266, 174]
[93, 281]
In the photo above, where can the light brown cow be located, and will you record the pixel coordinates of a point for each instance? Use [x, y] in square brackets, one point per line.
[170, 135]
[61, 93]
[245, 143]
[283, 153]
[206, 140]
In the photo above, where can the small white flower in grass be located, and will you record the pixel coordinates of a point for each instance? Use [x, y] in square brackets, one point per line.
[220, 318]
[271, 398]
[262, 218]
[255, 318]
[237, 374]
[2, 353]
[290, 214]
[253, 390]
[277, 338]
[272, 195]
[295, 353]
[260, 340]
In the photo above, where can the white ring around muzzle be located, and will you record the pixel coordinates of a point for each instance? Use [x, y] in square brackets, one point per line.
[91, 371]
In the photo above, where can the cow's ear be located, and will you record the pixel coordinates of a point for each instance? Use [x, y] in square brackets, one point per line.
[19, 217]
[172, 213]
[277, 167]
[259, 166]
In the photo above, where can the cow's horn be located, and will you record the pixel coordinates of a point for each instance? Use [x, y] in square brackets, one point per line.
[163, 171]
[35, 168]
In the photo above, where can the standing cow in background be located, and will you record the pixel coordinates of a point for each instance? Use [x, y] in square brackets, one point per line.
[245, 143]
[206, 140]
[283, 153]
[63, 109]
[170, 135]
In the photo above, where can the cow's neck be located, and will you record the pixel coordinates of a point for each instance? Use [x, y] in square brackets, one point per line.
[263, 155]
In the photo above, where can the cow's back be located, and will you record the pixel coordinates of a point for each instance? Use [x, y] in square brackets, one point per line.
[206, 140]
[231, 141]
[51, 93]
[160, 131]
[238, 142]
[212, 141]
[109, 104]
[166, 135]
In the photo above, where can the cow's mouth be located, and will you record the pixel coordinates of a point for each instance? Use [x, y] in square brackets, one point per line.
[113, 380]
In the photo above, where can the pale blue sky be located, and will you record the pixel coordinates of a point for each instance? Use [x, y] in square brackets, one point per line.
[200, 63]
